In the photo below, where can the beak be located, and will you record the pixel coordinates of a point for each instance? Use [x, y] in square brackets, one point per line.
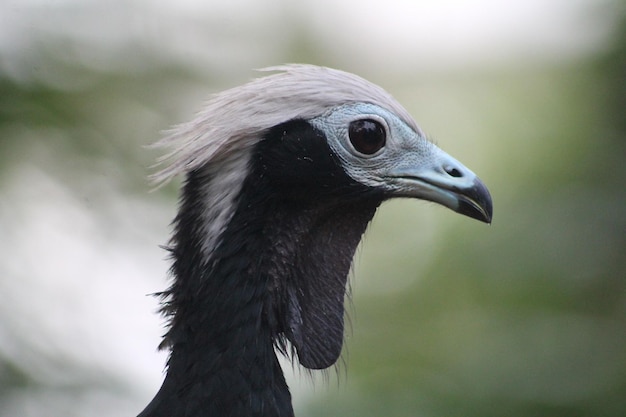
[446, 182]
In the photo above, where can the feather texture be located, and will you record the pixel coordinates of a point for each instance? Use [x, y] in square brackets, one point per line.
[236, 119]
[276, 196]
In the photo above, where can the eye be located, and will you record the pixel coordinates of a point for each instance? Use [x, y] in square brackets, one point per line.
[367, 136]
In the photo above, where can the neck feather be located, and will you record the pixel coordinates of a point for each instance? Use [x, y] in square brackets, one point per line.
[257, 263]
[222, 359]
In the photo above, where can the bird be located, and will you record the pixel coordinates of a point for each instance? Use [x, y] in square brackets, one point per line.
[281, 177]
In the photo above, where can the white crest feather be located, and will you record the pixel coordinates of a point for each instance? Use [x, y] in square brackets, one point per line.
[236, 119]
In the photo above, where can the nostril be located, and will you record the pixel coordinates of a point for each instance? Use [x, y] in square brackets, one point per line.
[453, 172]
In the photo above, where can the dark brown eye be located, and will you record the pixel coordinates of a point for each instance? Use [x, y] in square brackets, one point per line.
[367, 136]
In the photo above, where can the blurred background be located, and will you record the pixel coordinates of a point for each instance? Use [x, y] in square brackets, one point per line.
[449, 317]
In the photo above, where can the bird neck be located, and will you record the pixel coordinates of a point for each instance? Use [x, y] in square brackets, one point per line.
[222, 359]
[257, 264]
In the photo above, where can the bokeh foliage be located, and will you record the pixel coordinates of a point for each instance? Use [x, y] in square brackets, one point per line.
[529, 316]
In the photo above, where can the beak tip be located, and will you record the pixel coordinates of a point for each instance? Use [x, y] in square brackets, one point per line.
[477, 203]
[473, 211]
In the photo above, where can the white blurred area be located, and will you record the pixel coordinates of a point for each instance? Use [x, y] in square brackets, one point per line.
[74, 283]
[77, 262]
[396, 36]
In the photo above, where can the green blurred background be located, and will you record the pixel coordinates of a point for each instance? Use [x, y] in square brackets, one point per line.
[449, 317]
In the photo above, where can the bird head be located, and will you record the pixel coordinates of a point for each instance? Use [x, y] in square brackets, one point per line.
[380, 150]
[376, 140]
[306, 134]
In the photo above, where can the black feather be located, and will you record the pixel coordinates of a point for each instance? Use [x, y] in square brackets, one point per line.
[277, 276]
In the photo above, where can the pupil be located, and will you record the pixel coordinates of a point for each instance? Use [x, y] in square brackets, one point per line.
[367, 136]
